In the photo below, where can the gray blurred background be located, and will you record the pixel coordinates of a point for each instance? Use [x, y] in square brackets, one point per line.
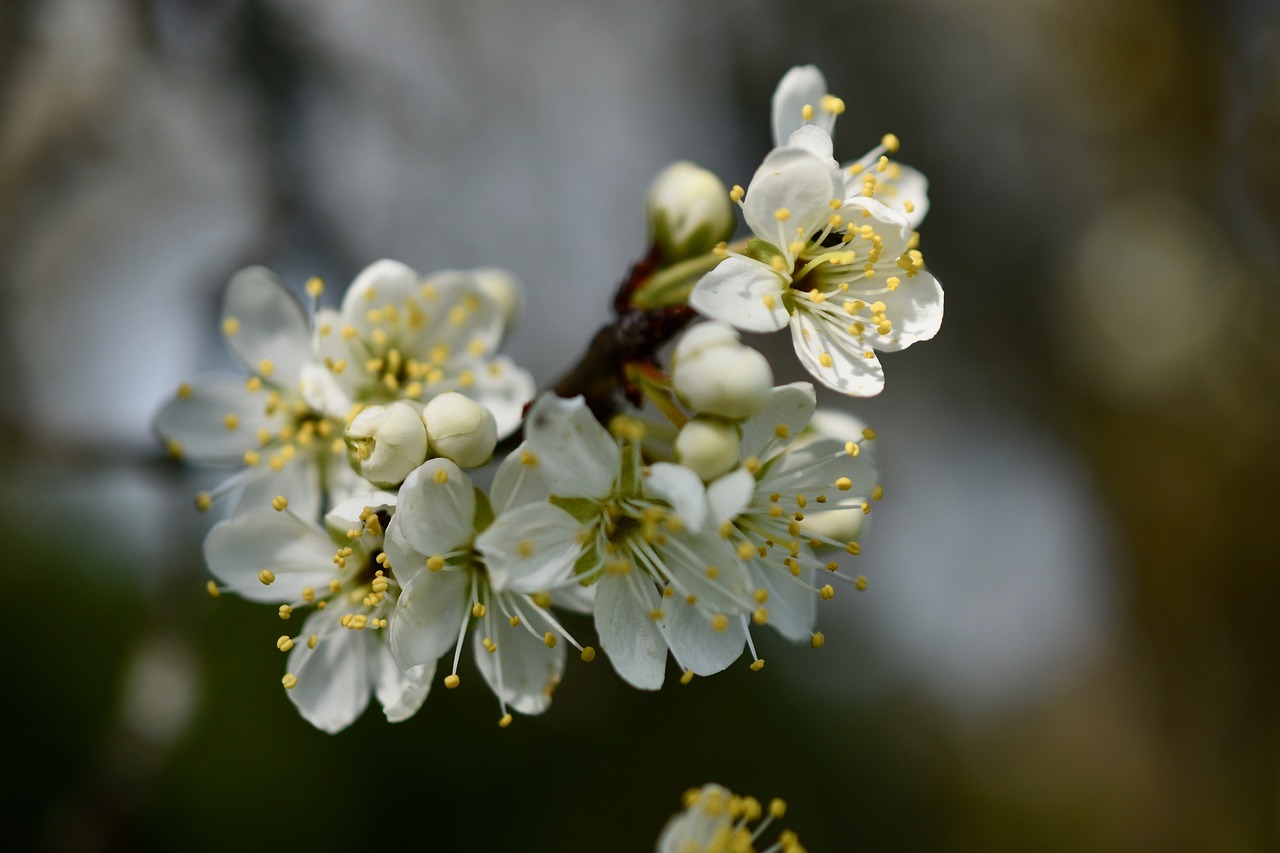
[1069, 640]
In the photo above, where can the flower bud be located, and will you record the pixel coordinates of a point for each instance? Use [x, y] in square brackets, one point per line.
[714, 373]
[689, 211]
[842, 525]
[504, 289]
[708, 446]
[385, 443]
[460, 429]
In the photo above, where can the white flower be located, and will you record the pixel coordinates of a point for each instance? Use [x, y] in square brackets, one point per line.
[661, 581]
[707, 446]
[446, 590]
[839, 271]
[715, 820]
[460, 429]
[341, 655]
[260, 422]
[713, 372]
[385, 443]
[399, 337]
[789, 476]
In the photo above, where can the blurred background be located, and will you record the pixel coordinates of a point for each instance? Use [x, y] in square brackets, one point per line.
[1069, 641]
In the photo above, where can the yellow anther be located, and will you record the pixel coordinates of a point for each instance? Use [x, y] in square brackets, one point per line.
[866, 508]
[890, 142]
[828, 592]
[204, 501]
[769, 300]
[656, 614]
[312, 641]
[212, 589]
[844, 484]
[757, 665]
[690, 599]
[541, 599]
[686, 676]
[252, 457]
[231, 422]
[909, 206]
[882, 163]
[825, 359]
[289, 681]
[782, 214]
[284, 643]
[524, 548]
[726, 529]
[860, 583]
[713, 572]
[817, 640]
[831, 566]
[760, 616]
[279, 503]
[505, 720]
[285, 611]
[267, 577]
[777, 808]
[806, 112]
[852, 448]
[746, 550]
[719, 622]
[266, 367]
[782, 431]
[832, 104]
[441, 476]
[174, 448]
[335, 586]
[549, 639]
[514, 621]
[315, 286]
[529, 458]
[230, 326]
[736, 193]
[752, 464]
[877, 493]
[308, 594]
[452, 681]
[478, 610]
[184, 391]
[588, 654]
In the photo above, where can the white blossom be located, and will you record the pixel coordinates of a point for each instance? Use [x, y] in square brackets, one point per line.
[385, 443]
[460, 429]
[715, 820]
[340, 656]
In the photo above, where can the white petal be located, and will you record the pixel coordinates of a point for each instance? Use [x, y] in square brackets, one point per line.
[198, 417]
[628, 634]
[271, 326]
[300, 556]
[815, 139]
[695, 644]
[321, 390]
[801, 86]
[793, 609]
[346, 354]
[790, 196]
[792, 472]
[345, 515]
[728, 496]
[577, 455]
[743, 292]
[298, 481]
[437, 507]
[383, 282]
[706, 566]
[518, 481]
[790, 406]
[523, 672]
[853, 369]
[428, 614]
[531, 548]
[910, 185]
[504, 389]
[914, 309]
[400, 692]
[333, 678]
[681, 488]
[460, 314]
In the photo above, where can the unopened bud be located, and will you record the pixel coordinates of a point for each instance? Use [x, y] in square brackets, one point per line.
[460, 429]
[713, 372]
[708, 446]
[385, 443]
[689, 211]
[504, 290]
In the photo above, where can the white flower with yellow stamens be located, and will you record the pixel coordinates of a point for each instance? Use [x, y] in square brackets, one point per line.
[446, 589]
[662, 582]
[802, 99]
[838, 271]
[715, 820]
[793, 496]
[260, 421]
[398, 337]
[341, 655]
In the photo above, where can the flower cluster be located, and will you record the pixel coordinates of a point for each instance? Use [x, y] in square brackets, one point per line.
[681, 501]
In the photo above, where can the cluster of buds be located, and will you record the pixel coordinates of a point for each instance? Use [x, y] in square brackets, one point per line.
[402, 485]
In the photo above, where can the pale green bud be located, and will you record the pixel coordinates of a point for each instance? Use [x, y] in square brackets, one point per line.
[713, 372]
[708, 446]
[689, 211]
[460, 429]
[385, 443]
